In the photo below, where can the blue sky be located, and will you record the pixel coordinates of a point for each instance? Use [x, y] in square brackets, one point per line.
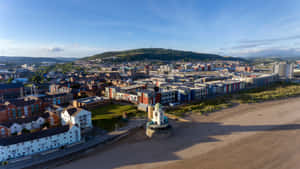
[74, 28]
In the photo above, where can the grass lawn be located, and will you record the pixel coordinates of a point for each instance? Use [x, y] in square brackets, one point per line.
[205, 106]
[28, 85]
[277, 91]
[112, 111]
[109, 116]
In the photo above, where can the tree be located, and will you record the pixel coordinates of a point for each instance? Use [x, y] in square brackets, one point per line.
[4, 163]
[24, 131]
[46, 124]
[10, 80]
[37, 79]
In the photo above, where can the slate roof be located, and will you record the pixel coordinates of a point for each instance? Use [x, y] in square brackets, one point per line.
[57, 94]
[32, 136]
[73, 111]
[24, 120]
[10, 85]
[2, 107]
[21, 102]
[92, 99]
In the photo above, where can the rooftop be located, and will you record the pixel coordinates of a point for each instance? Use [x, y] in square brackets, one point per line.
[24, 120]
[73, 111]
[90, 99]
[32, 136]
[10, 85]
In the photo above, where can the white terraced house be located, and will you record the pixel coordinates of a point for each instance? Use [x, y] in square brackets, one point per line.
[73, 121]
[31, 143]
[79, 116]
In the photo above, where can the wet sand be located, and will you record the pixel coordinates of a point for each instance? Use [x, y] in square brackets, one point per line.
[264, 135]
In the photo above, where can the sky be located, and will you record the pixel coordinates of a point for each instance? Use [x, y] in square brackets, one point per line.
[78, 28]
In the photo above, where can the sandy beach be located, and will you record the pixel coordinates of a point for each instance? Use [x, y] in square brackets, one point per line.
[264, 135]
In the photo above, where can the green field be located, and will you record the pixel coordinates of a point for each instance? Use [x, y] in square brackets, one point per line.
[276, 91]
[112, 111]
[109, 116]
[205, 106]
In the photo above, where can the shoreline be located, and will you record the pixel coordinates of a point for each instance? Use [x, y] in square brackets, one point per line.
[199, 123]
[138, 135]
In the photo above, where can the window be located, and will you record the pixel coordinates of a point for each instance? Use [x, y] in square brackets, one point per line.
[37, 107]
[76, 135]
[2, 131]
[19, 112]
[32, 108]
[14, 113]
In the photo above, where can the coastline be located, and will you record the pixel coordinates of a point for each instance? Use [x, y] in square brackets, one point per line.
[201, 135]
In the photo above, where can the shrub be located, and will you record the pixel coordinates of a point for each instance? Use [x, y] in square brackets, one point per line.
[4, 163]
[24, 131]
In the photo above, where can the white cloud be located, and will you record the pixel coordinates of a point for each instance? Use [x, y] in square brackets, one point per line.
[56, 49]
[278, 51]
[284, 46]
[12, 48]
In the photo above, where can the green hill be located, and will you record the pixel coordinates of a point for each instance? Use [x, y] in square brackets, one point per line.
[157, 54]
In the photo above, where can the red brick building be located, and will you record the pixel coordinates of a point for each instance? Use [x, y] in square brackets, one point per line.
[20, 108]
[146, 97]
[11, 90]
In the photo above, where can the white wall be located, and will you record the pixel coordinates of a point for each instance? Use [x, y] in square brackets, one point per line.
[40, 145]
[15, 128]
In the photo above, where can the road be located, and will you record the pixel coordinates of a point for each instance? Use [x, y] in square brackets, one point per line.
[264, 136]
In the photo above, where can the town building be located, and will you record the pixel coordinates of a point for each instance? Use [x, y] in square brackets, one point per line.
[89, 102]
[243, 68]
[258, 80]
[55, 88]
[72, 115]
[59, 98]
[146, 97]
[18, 126]
[284, 70]
[111, 92]
[11, 91]
[28, 136]
[31, 143]
[20, 108]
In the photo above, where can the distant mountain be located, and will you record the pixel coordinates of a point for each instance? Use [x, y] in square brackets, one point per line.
[274, 57]
[158, 54]
[24, 59]
[271, 59]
